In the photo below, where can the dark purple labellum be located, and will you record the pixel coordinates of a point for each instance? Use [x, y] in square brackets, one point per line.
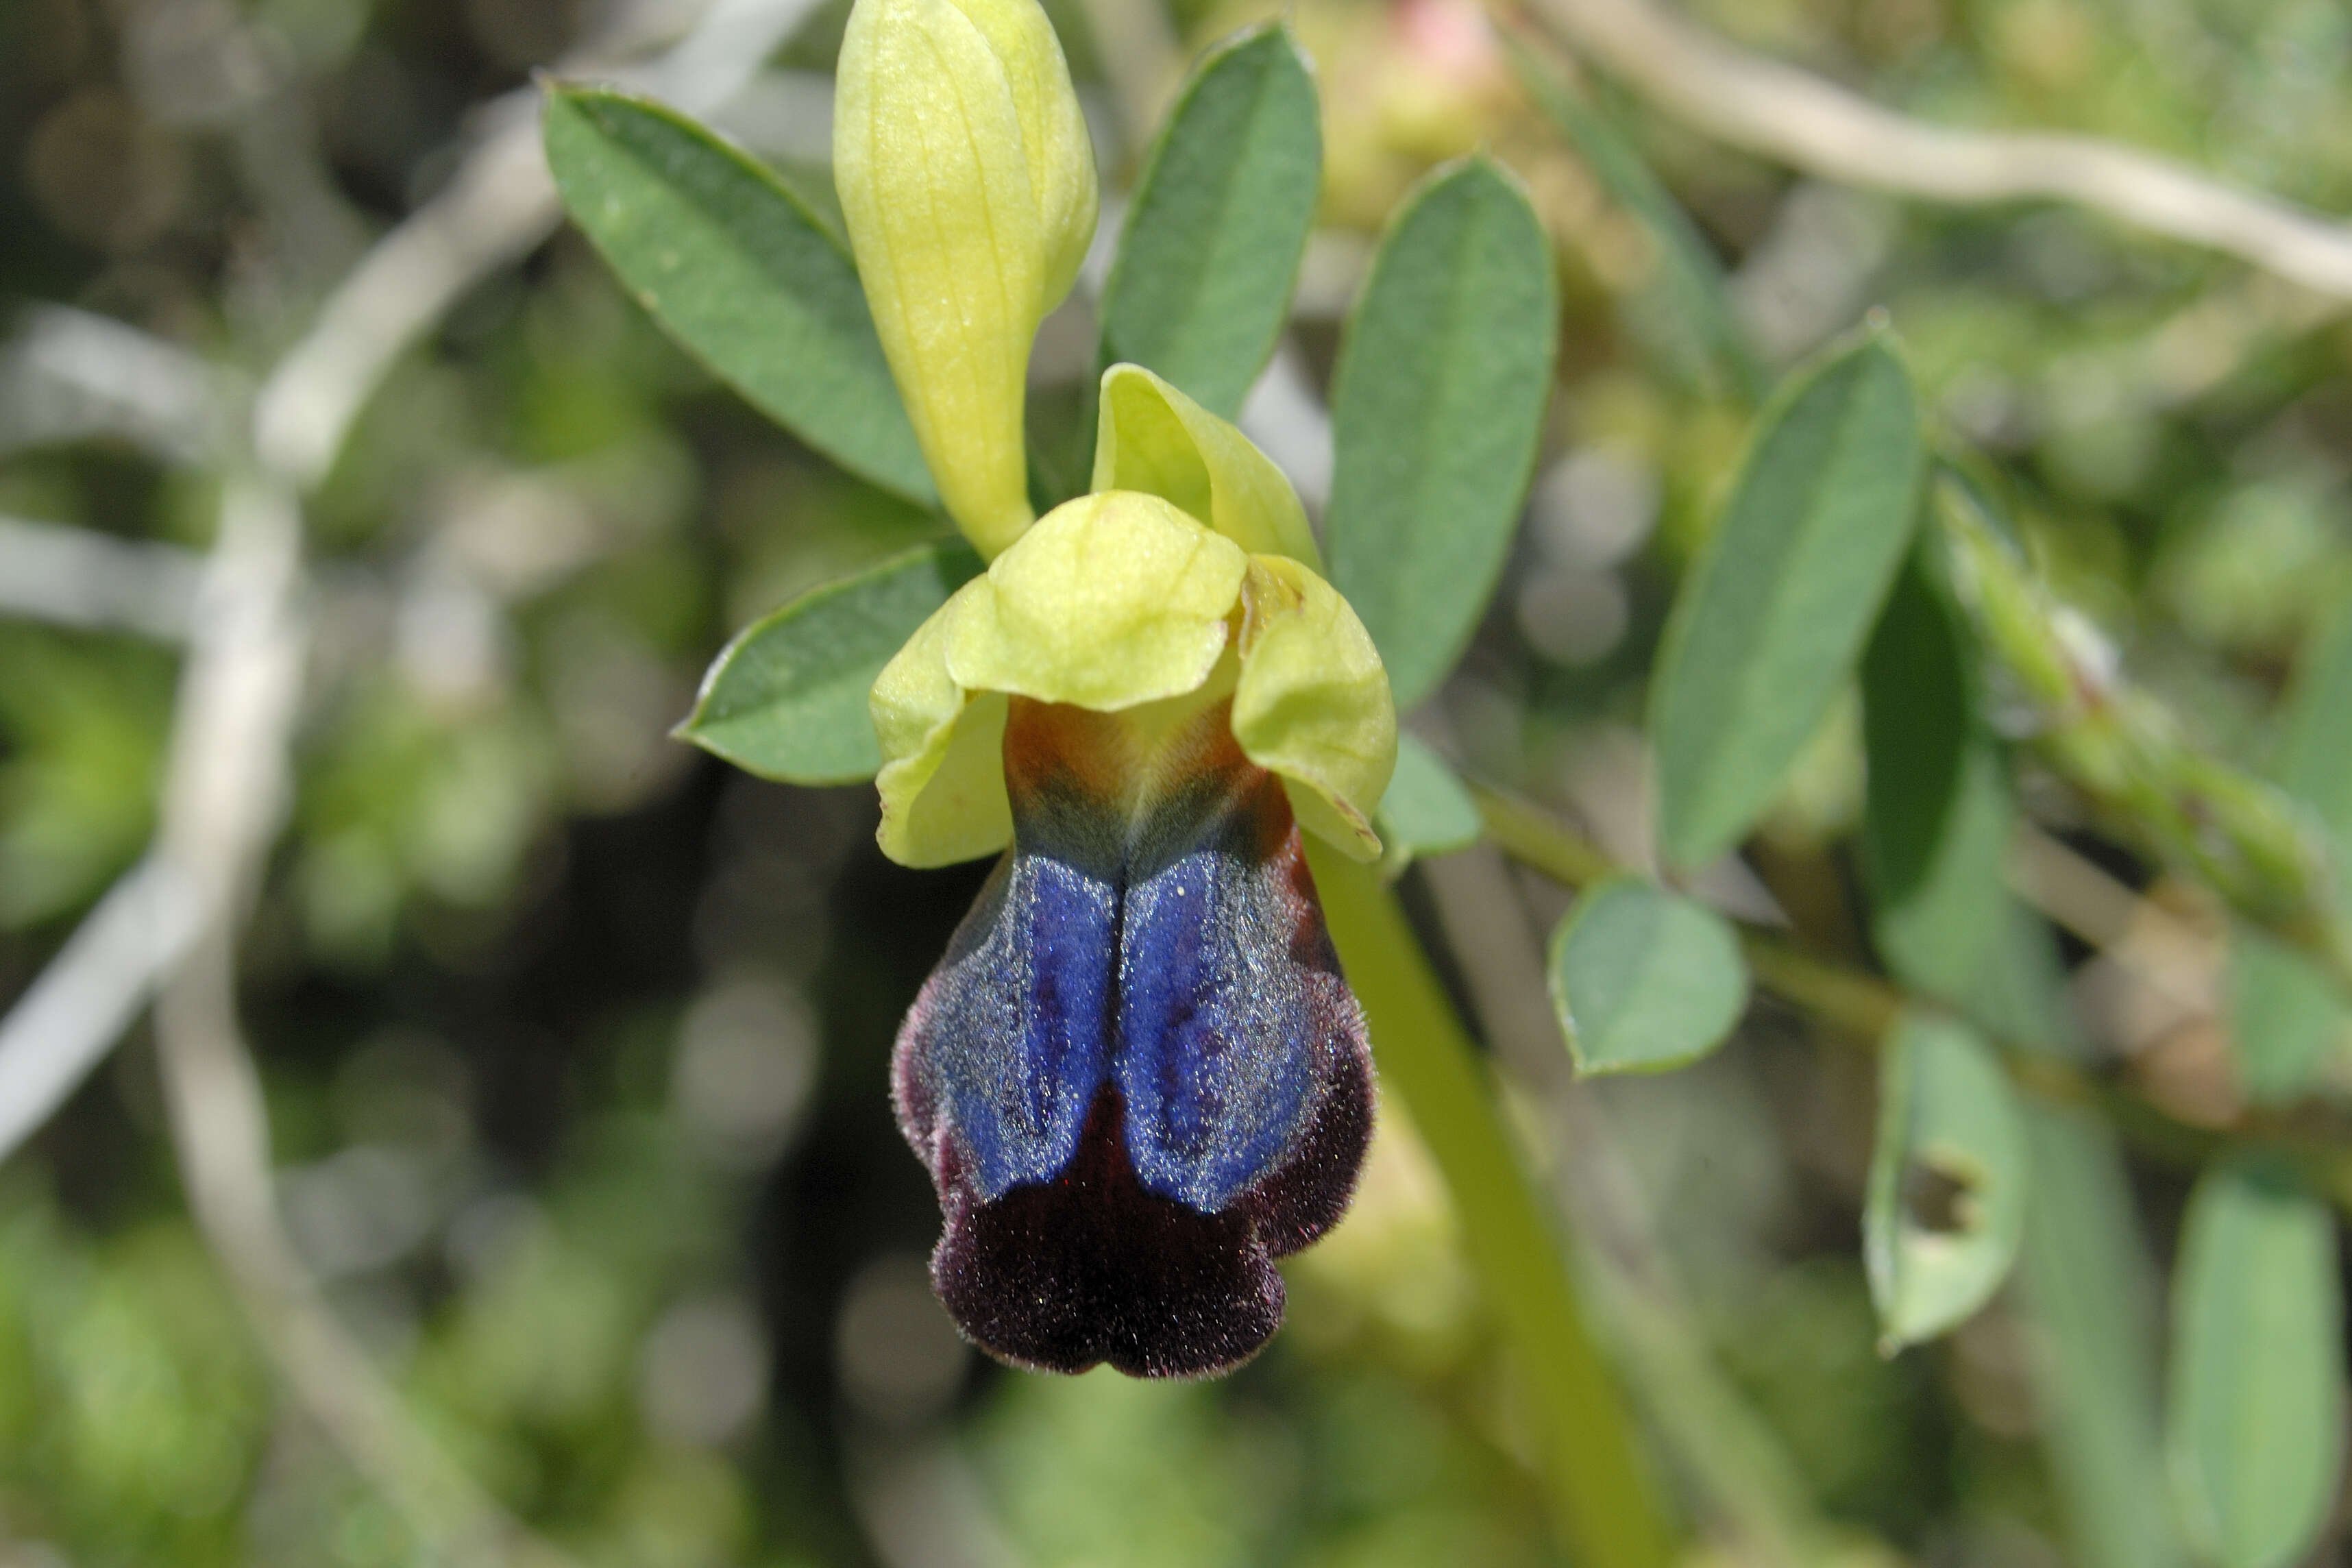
[1137, 1076]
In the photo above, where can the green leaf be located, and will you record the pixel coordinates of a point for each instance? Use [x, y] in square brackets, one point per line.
[2286, 1018]
[1688, 314]
[2089, 1294]
[1437, 403]
[1945, 1205]
[1767, 626]
[1426, 810]
[1937, 813]
[1218, 223]
[1644, 980]
[2256, 1420]
[738, 269]
[2317, 734]
[786, 699]
[1938, 817]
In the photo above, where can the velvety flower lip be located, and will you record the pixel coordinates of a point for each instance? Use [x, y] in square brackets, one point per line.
[1137, 1077]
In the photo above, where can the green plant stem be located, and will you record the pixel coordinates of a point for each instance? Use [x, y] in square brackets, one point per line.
[1861, 1007]
[1600, 1492]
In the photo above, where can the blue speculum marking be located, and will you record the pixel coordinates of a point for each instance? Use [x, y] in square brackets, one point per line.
[1217, 1025]
[1018, 1035]
[1137, 1075]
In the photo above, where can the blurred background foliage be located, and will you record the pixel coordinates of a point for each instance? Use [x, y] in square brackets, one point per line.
[574, 1041]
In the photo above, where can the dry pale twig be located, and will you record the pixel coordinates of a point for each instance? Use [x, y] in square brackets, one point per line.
[71, 1015]
[228, 781]
[70, 375]
[229, 771]
[499, 206]
[1792, 117]
[227, 786]
[73, 577]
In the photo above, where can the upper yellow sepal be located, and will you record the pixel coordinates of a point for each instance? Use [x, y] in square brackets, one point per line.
[1115, 602]
[1110, 601]
[1152, 437]
[967, 185]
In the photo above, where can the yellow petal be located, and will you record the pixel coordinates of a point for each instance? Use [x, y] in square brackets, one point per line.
[1053, 132]
[1152, 437]
[1313, 702]
[967, 184]
[1112, 600]
[942, 778]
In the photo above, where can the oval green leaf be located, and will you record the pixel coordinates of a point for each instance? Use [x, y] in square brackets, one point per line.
[1767, 623]
[1946, 1207]
[1426, 810]
[1644, 979]
[1214, 235]
[2255, 1426]
[1436, 405]
[738, 270]
[2285, 1021]
[1937, 814]
[2088, 1297]
[787, 698]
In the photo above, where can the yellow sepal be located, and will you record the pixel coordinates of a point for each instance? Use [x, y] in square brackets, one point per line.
[942, 778]
[1152, 437]
[1109, 601]
[1313, 703]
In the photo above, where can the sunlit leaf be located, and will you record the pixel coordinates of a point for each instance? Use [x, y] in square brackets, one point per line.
[1436, 404]
[2089, 1294]
[1768, 623]
[738, 269]
[1426, 810]
[787, 698]
[1643, 979]
[2256, 1421]
[1945, 1205]
[1218, 222]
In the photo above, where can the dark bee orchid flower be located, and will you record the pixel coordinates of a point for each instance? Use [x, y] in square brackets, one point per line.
[1137, 1077]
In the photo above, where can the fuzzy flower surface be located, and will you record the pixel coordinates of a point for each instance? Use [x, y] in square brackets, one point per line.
[1137, 1077]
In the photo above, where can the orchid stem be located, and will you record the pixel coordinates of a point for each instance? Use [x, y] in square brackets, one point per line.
[1601, 1491]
